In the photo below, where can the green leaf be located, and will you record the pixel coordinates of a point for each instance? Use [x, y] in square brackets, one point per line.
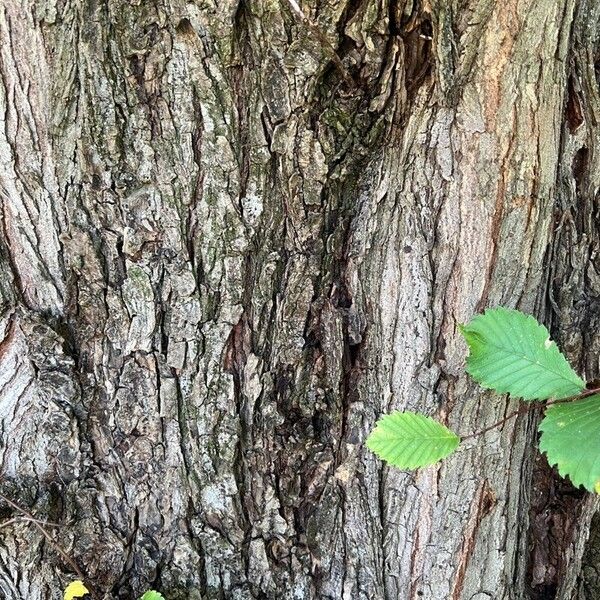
[571, 440]
[510, 352]
[409, 440]
[152, 595]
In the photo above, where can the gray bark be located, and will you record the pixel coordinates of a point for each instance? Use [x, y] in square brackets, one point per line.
[221, 259]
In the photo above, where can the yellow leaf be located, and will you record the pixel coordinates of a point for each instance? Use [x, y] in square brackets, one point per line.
[76, 589]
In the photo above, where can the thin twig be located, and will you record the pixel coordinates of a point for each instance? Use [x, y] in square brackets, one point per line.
[29, 520]
[525, 408]
[494, 425]
[10, 522]
[38, 524]
[316, 30]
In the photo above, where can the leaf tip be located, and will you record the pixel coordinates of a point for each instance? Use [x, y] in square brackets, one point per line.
[152, 595]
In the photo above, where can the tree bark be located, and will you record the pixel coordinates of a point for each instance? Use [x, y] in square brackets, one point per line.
[232, 236]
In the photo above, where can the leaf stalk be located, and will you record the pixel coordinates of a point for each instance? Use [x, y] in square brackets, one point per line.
[526, 408]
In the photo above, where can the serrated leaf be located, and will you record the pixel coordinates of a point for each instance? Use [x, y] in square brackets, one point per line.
[571, 440]
[409, 440]
[152, 595]
[510, 352]
[76, 589]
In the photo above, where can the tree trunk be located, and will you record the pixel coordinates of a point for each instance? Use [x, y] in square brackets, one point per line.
[232, 236]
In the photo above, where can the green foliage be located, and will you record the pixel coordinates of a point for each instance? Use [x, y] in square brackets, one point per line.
[409, 440]
[571, 440]
[76, 590]
[152, 595]
[511, 352]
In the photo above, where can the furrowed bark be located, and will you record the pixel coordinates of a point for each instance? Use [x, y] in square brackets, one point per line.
[222, 256]
[563, 515]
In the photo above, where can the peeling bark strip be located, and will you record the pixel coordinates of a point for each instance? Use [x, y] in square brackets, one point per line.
[221, 259]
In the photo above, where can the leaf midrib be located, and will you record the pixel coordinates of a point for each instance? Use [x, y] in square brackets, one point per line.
[445, 437]
[533, 362]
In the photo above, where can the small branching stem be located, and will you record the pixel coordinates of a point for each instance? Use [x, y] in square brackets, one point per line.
[526, 408]
[41, 526]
